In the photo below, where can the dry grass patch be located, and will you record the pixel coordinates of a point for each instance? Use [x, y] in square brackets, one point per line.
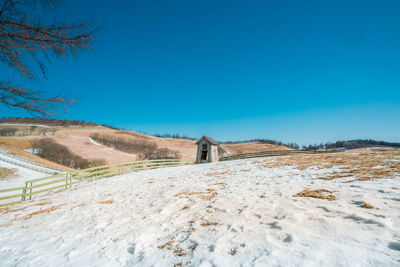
[205, 224]
[43, 211]
[170, 246]
[221, 185]
[190, 230]
[107, 202]
[209, 197]
[217, 173]
[189, 193]
[365, 205]
[78, 206]
[192, 247]
[316, 193]
[364, 166]
[6, 210]
[336, 175]
[6, 173]
[43, 203]
[179, 252]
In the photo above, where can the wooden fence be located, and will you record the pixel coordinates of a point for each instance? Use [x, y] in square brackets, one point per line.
[31, 162]
[66, 180]
[271, 154]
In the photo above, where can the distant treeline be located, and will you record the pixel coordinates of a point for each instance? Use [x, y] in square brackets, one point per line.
[52, 122]
[12, 131]
[175, 136]
[351, 144]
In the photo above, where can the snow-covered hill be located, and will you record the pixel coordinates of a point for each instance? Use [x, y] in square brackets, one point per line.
[26, 170]
[245, 212]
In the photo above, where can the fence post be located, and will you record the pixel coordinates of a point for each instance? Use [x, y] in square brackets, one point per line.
[30, 191]
[24, 193]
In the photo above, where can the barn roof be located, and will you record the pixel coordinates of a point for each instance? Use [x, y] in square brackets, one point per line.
[209, 139]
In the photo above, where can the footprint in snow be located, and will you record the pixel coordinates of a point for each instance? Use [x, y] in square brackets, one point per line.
[359, 219]
[280, 217]
[274, 225]
[394, 246]
[131, 249]
[324, 208]
[288, 239]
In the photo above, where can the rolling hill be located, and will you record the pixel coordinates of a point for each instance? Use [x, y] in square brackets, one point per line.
[77, 138]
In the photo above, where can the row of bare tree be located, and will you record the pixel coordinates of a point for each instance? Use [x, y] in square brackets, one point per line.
[48, 149]
[8, 131]
[146, 149]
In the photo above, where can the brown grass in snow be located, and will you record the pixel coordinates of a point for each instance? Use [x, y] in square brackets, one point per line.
[363, 166]
[78, 206]
[7, 173]
[336, 175]
[179, 252]
[189, 193]
[43, 203]
[316, 193]
[253, 147]
[170, 246]
[217, 173]
[42, 211]
[7, 210]
[190, 230]
[205, 224]
[107, 202]
[367, 206]
[209, 197]
[192, 247]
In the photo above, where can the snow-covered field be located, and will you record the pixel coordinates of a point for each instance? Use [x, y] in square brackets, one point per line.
[222, 214]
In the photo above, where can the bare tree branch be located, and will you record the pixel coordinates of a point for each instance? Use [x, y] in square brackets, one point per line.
[24, 38]
[30, 100]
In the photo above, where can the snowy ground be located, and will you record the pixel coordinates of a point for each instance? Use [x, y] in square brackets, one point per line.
[223, 214]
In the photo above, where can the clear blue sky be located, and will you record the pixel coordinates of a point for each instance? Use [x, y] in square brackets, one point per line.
[296, 71]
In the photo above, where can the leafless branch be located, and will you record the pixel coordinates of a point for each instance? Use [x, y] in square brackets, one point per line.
[24, 38]
[30, 100]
